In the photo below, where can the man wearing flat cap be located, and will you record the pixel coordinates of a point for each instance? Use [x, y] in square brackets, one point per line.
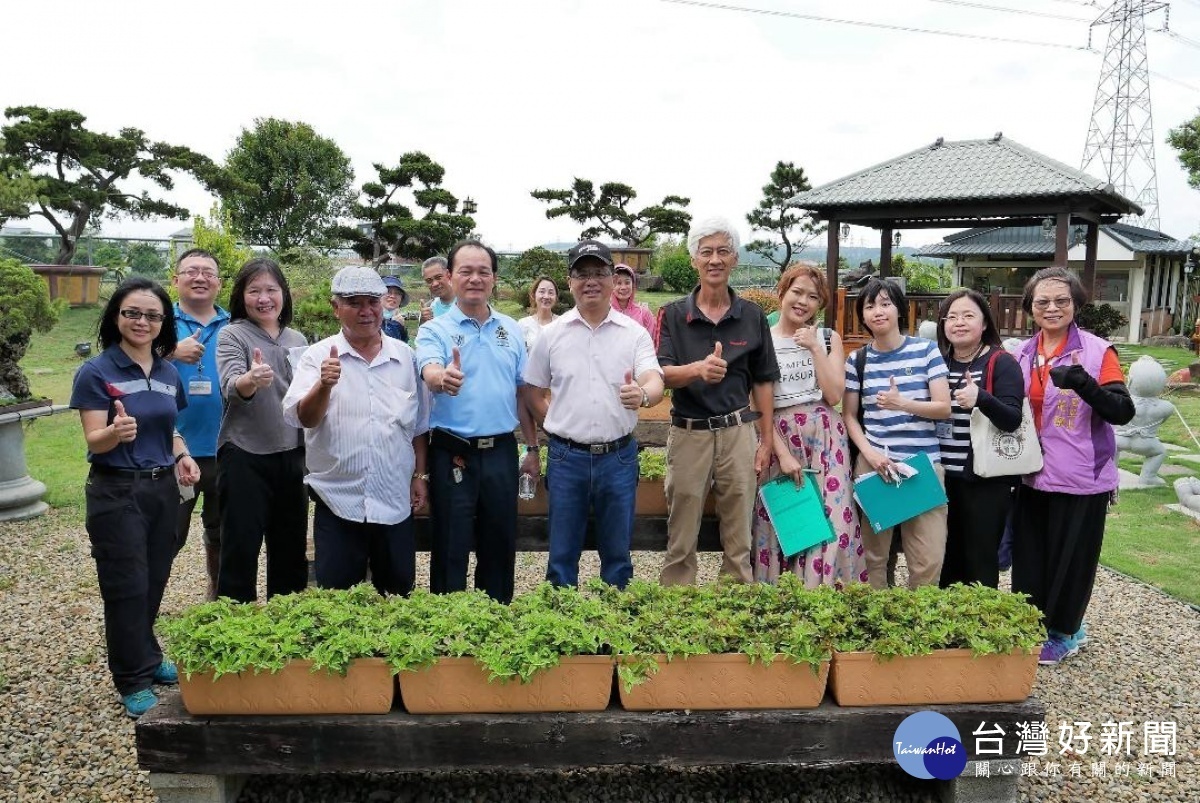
[365, 413]
[600, 367]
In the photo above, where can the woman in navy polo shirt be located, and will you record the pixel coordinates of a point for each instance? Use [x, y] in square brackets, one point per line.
[128, 397]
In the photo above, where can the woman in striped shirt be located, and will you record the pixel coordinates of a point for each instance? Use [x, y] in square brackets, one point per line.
[902, 393]
[983, 375]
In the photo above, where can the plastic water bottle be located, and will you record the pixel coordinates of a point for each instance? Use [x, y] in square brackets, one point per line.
[527, 486]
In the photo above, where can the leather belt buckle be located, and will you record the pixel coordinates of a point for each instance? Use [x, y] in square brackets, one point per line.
[598, 448]
[159, 471]
[485, 443]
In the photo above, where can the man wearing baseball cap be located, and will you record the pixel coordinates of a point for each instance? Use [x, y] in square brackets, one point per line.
[600, 367]
[393, 302]
[365, 413]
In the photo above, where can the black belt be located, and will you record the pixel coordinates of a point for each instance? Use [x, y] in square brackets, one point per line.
[444, 439]
[594, 448]
[743, 416]
[156, 473]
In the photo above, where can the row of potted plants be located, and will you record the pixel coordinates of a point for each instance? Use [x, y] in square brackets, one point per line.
[719, 646]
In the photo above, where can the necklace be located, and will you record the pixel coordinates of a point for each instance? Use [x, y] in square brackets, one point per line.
[978, 350]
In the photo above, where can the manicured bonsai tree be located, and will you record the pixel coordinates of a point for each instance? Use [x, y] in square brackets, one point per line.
[25, 299]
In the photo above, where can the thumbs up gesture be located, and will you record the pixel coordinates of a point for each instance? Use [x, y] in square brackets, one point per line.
[713, 367]
[1070, 377]
[189, 350]
[892, 398]
[630, 392]
[124, 425]
[331, 368]
[452, 375]
[967, 395]
[260, 373]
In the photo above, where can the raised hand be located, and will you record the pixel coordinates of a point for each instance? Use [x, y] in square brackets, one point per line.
[331, 368]
[125, 426]
[968, 395]
[892, 398]
[713, 367]
[806, 338]
[260, 373]
[452, 375]
[630, 392]
[426, 310]
[189, 350]
[1070, 377]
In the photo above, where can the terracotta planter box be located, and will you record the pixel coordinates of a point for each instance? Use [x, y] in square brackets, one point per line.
[460, 686]
[723, 682]
[945, 676]
[367, 688]
[652, 499]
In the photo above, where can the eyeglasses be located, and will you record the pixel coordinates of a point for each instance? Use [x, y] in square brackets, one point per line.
[1044, 303]
[137, 315]
[966, 317]
[595, 273]
[196, 273]
[707, 253]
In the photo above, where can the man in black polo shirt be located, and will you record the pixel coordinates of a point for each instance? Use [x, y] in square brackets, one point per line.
[715, 350]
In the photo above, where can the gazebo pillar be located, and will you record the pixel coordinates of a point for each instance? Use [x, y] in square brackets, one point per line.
[1091, 240]
[1061, 233]
[885, 251]
[832, 253]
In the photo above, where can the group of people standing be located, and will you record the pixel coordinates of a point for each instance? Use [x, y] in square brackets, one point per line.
[187, 397]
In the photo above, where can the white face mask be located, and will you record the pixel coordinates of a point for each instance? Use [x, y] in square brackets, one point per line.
[388, 313]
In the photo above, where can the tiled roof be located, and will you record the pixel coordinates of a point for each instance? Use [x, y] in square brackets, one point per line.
[945, 250]
[1029, 241]
[979, 170]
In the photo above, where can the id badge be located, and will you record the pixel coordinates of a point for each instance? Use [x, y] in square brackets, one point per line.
[200, 387]
[944, 430]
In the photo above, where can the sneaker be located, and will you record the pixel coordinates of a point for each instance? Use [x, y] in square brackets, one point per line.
[166, 674]
[139, 702]
[1055, 650]
[1080, 639]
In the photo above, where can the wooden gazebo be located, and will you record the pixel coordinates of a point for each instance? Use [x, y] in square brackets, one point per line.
[982, 182]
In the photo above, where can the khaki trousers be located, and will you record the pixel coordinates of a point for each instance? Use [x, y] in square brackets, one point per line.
[923, 538]
[696, 460]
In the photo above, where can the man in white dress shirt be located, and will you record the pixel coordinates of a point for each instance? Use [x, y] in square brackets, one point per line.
[600, 367]
[365, 415]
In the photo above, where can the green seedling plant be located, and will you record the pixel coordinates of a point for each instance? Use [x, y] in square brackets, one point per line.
[902, 622]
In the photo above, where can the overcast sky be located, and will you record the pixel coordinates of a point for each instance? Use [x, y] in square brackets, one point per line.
[672, 99]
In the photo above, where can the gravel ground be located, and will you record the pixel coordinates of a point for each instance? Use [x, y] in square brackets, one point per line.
[63, 736]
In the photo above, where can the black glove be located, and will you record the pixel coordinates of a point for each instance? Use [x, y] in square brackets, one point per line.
[1072, 377]
[1111, 402]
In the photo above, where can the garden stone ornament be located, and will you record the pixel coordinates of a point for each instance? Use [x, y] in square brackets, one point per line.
[1147, 380]
[1188, 491]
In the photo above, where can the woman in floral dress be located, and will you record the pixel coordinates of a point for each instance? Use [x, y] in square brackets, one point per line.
[809, 433]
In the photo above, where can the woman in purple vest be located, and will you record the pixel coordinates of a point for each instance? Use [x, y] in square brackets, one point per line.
[1077, 392]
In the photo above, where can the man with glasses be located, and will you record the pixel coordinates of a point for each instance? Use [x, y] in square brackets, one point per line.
[600, 366]
[441, 293]
[472, 359]
[716, 352]
[198, 322]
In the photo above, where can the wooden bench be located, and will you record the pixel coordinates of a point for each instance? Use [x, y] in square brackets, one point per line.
[193, 759]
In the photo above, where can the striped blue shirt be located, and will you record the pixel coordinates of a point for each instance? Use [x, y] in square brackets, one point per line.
[914, 365]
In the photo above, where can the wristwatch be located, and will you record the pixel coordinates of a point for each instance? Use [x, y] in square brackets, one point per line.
[424, 477]
[535, 449]
[645, 398]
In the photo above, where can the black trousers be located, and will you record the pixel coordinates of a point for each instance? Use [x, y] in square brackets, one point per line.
[131, 524]
[263, 498]
[346, 549]
[975, 516]
[1056, 549]
[480, 512]
[210, 514]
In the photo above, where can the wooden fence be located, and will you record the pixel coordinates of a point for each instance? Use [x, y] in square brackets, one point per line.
[1011, 320]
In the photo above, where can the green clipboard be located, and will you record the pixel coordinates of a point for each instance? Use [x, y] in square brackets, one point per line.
[796, 512]
[886, 504]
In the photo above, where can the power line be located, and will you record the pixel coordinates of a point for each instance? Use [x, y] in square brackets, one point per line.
[865, 24]
[1008, 10]
[1181, 38]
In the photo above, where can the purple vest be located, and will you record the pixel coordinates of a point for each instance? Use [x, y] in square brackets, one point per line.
[1079, 448]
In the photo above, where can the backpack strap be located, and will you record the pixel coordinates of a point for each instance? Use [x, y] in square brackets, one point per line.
[860, 367]
[828, 334]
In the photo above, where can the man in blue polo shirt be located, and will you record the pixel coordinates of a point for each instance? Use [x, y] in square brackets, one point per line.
[472, 360]
[198, 321]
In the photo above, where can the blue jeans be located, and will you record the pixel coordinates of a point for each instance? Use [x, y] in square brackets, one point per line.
[576, 481]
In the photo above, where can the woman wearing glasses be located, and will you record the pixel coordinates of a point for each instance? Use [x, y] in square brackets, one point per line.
[984, 376]
[1077, 393]
[128, 397]
[261, 457]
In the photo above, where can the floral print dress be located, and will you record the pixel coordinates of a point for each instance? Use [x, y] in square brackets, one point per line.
[817, 437]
